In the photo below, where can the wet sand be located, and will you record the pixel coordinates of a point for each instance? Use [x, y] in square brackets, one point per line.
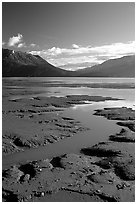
[37, 121]
[103, 172]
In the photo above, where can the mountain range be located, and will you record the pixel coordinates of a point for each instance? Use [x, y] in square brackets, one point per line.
[22, 64]
[119, 67]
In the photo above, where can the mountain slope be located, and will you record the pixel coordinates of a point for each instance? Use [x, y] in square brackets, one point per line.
[120, 67]
[21, 64]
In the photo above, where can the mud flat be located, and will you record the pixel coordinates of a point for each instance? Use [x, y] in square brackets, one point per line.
[124, 114]
[104, 172]
[37, 121]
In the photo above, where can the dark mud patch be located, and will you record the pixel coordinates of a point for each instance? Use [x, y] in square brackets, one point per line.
[40, 129]
[124, 167]
[28, 169]
[115, 155]
[56, 162]
[63, 102]
[119, 154]
[126, 115]
[20, 142]
[130, 125]
[101, 150]
[9, 196]
[123, 136]
[107, 198]
[79, 175]
[66, 118]
[117, 113]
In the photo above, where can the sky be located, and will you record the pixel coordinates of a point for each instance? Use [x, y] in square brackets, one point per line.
[70, 35]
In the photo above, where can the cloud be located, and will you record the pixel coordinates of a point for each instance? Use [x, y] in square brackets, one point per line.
[3, 43]
[75, 46]
[112, 49]
[79, 65]
[75, 60]
[32, 45]
[18, 42]
[55, 51]
[20, 45]
[67, 56]
[13, 41]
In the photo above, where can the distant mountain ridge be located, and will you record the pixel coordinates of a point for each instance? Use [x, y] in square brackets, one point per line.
[20, 64]
[119, 67]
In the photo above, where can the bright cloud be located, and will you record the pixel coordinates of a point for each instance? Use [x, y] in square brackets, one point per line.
[13, 41]
[3, 43]
[112, 49]
[32, 45]
[17, 41]
[77, 54]
[20, 45]
[75, 46]
[75, 60]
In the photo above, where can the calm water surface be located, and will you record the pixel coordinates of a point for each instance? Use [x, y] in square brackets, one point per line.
[28, 85]
[71, 80]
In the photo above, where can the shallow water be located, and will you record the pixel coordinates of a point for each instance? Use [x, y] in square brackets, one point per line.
[26, 87]
[72, 80]
[100, 127]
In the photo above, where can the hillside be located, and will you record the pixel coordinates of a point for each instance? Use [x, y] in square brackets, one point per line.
[19, 64]
[120, 67]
